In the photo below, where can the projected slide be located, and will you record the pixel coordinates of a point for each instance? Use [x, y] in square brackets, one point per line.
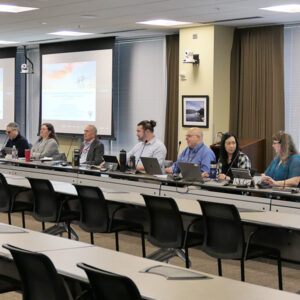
[69, 91]
[7, 91]
[77, 91]
[1, 93]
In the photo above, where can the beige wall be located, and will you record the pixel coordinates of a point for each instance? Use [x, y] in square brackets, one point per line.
[211, 77]
[64, 145]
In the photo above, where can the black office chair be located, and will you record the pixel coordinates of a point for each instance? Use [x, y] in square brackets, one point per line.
[8, 284]
[51, 207]
[107, 286]
[39, 277]
[224, 237]
[94, 216]
[8, 203]
[167, 230]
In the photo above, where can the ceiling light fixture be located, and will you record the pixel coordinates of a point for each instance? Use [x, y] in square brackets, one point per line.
[15, 8]
[164, 22]
[70, 33]
[7, 42]
[287, 8]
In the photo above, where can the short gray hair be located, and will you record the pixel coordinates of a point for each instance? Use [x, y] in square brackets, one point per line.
[13, 125]
[94, 128]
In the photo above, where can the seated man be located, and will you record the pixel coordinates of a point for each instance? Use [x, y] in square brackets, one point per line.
[92, 149]
[16, 139]
[196, 152]
[149, 145]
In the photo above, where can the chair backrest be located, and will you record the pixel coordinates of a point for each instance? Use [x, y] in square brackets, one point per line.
[46, 202]
[166, 226]
[223, 230]
[107, 286]
[94, 216]
[5, 195]
[39, 277]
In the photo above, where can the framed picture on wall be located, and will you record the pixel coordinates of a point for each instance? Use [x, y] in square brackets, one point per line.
[195, 111]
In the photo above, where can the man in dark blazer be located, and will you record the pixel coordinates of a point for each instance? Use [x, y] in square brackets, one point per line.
[92, 149]
[16, 139]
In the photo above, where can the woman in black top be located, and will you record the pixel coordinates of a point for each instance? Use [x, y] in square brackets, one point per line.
[231, 157]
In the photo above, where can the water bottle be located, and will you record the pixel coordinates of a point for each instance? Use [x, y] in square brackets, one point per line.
[75, 158]
[132, 162]
[14, 152]
[213, 170]
[122, 160]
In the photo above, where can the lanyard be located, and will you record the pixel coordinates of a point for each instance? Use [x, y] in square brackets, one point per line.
[191, 159]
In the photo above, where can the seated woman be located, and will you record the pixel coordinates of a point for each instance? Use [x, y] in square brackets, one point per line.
[284, 170]
[231, 157]
[46, 145]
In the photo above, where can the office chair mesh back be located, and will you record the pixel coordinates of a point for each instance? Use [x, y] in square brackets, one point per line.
[94, 215]
[223, 231]
[107, 286]
[166, 226]
[46, 201]
[38, 276]
[5, 195]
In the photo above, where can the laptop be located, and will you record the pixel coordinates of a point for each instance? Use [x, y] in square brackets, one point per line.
[241, 173]
[111, 162]
[190, 171]
[151, 165]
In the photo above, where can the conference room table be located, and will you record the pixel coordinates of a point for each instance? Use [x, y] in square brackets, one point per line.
[65, 254]
[256, 210]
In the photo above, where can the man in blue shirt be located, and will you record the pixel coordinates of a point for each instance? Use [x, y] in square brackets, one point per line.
[196, 152]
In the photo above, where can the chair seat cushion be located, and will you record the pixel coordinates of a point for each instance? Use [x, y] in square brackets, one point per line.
[255, 250]
[22, 206]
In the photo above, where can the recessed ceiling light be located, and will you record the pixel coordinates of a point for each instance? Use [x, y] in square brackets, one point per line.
[7, 42]
[15, 8]
[163, 22]
[288, 8]
[70, 33]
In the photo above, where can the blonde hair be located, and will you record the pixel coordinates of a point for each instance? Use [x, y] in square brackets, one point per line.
[288, 147]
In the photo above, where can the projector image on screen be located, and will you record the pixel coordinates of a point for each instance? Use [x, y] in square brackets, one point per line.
[77, 91]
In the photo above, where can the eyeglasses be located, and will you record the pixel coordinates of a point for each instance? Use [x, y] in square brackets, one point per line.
[276, 143]
[190, 135]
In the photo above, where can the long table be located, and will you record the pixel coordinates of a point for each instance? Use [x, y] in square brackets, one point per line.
[283, 215]
[65, 254]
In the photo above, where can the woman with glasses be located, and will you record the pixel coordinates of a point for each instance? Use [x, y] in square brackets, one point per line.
[284, 170]
[231, 157]
[46, 145]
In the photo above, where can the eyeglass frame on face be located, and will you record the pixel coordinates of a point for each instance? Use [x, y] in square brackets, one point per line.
[276, 143]
[190, 135]
[9, 131]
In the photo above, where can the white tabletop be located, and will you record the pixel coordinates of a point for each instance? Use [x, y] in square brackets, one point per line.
[36, 241]
[272, 218]
[156, 286]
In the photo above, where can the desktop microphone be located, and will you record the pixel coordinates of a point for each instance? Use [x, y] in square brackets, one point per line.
[146, 141]
[73, 137]
[179, 144]
[231, 164]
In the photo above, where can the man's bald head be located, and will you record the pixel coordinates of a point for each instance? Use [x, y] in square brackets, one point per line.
[194, 137]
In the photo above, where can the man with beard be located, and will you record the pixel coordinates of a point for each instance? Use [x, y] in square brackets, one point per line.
[149, 145]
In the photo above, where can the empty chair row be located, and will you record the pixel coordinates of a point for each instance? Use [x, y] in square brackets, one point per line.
[223, 236]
